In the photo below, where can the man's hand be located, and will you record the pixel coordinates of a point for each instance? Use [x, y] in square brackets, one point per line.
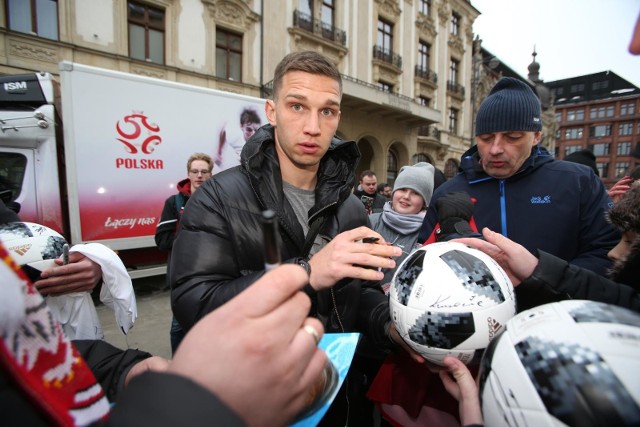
[80, 275]
[514, 258]
[154, 363]
[346, 256]
[459, 383]
[258, 352]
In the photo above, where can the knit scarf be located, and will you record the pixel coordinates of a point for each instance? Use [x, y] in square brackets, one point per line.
[403, 224]
[40, 358]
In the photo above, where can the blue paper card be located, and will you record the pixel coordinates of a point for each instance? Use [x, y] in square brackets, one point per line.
[340, 349]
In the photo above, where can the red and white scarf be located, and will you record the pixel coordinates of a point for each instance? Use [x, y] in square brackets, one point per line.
[42, 361]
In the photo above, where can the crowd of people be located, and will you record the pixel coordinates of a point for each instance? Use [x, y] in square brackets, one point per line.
[244, 337]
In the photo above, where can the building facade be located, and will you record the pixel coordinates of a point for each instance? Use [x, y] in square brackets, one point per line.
[599, 112]
[410, 92]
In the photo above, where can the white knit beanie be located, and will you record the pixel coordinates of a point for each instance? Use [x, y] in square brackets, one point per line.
[418, 178]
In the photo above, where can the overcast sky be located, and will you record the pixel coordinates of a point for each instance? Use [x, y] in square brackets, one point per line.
[572, 37]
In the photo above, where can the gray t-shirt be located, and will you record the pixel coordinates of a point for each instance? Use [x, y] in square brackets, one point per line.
[302, 201]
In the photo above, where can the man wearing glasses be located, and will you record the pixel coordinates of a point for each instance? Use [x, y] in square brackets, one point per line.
[199, 168]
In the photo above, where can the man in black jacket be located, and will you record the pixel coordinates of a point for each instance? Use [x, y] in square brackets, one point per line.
[295, 167]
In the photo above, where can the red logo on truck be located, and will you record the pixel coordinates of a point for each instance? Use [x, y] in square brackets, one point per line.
[138, 136]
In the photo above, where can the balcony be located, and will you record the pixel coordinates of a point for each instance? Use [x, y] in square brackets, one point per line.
[426, 74]
[324, 30]
[387, 56]
[455, 89]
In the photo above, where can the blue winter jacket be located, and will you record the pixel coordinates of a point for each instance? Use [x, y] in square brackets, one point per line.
[552, 205]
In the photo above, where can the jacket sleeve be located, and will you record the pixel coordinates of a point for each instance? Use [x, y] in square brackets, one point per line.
[554, 280]
[160, 399]
[166, 228]
[204, 270]
[374, 316]
[597, 236]
[109, 364]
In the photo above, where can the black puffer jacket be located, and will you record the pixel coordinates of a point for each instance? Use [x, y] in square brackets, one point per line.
[218, 252]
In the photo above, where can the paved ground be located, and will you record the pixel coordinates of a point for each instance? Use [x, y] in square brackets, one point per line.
[151, 330]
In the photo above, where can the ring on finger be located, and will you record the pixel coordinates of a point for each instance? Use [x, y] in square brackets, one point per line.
[312, 331]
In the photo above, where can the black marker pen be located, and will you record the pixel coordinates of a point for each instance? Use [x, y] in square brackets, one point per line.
[271, 239]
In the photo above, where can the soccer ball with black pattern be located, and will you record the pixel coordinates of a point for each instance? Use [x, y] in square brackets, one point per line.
[33, 246]
[447, 298]
[571, 363]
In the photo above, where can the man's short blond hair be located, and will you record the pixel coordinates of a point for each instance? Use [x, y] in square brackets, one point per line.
[199, 156]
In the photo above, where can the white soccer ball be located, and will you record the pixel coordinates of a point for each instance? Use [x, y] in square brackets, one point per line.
[448, 299]
[33, 246]
[572, 363]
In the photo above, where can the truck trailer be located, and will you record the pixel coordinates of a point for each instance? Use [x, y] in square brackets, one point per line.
[95, 154]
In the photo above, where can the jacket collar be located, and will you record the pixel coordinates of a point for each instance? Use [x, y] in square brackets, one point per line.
[336, 175]
[471, 168]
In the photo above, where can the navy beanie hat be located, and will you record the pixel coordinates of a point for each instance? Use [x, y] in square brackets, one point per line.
[510, 106]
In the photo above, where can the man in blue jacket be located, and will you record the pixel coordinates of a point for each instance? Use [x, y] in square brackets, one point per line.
[522, 192]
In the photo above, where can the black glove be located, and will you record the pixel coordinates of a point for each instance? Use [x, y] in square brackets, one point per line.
[454, 213]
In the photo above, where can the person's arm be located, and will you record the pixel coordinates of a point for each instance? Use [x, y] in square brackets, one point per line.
[166, 400]
[166, 228]
[548, 278]
[204, 270]
[555, 279]
[596, 236]
[109, 364]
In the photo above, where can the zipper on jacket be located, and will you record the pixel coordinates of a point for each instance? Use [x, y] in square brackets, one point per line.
[503, 209]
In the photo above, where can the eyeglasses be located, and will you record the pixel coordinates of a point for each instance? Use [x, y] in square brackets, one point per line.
[201, 171]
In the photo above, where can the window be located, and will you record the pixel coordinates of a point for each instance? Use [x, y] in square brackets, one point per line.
[600, 149]
[600, 130]
[37, 17]
[420, 157]
[12, 172]
[327, 17]
[384, 86]
[228, 55]
[424, 56]
[573, 133]
[600, 85]
[575, 115]
[624, 148]
[146, 33]
[424, 7]
[453, 121]
[558, 117]
[627, 109]
[385, 36]
[621, 169]
[450, 168]
[455, 24]
[453, 71]
[423, 100]
[571, 149]
[392, 168]
[603, 169]
[558, 91]
[577, 88]
[625, 129]
[600, 112]
[306, 6]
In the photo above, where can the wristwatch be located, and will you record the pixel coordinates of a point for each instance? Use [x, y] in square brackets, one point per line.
[304, 264]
